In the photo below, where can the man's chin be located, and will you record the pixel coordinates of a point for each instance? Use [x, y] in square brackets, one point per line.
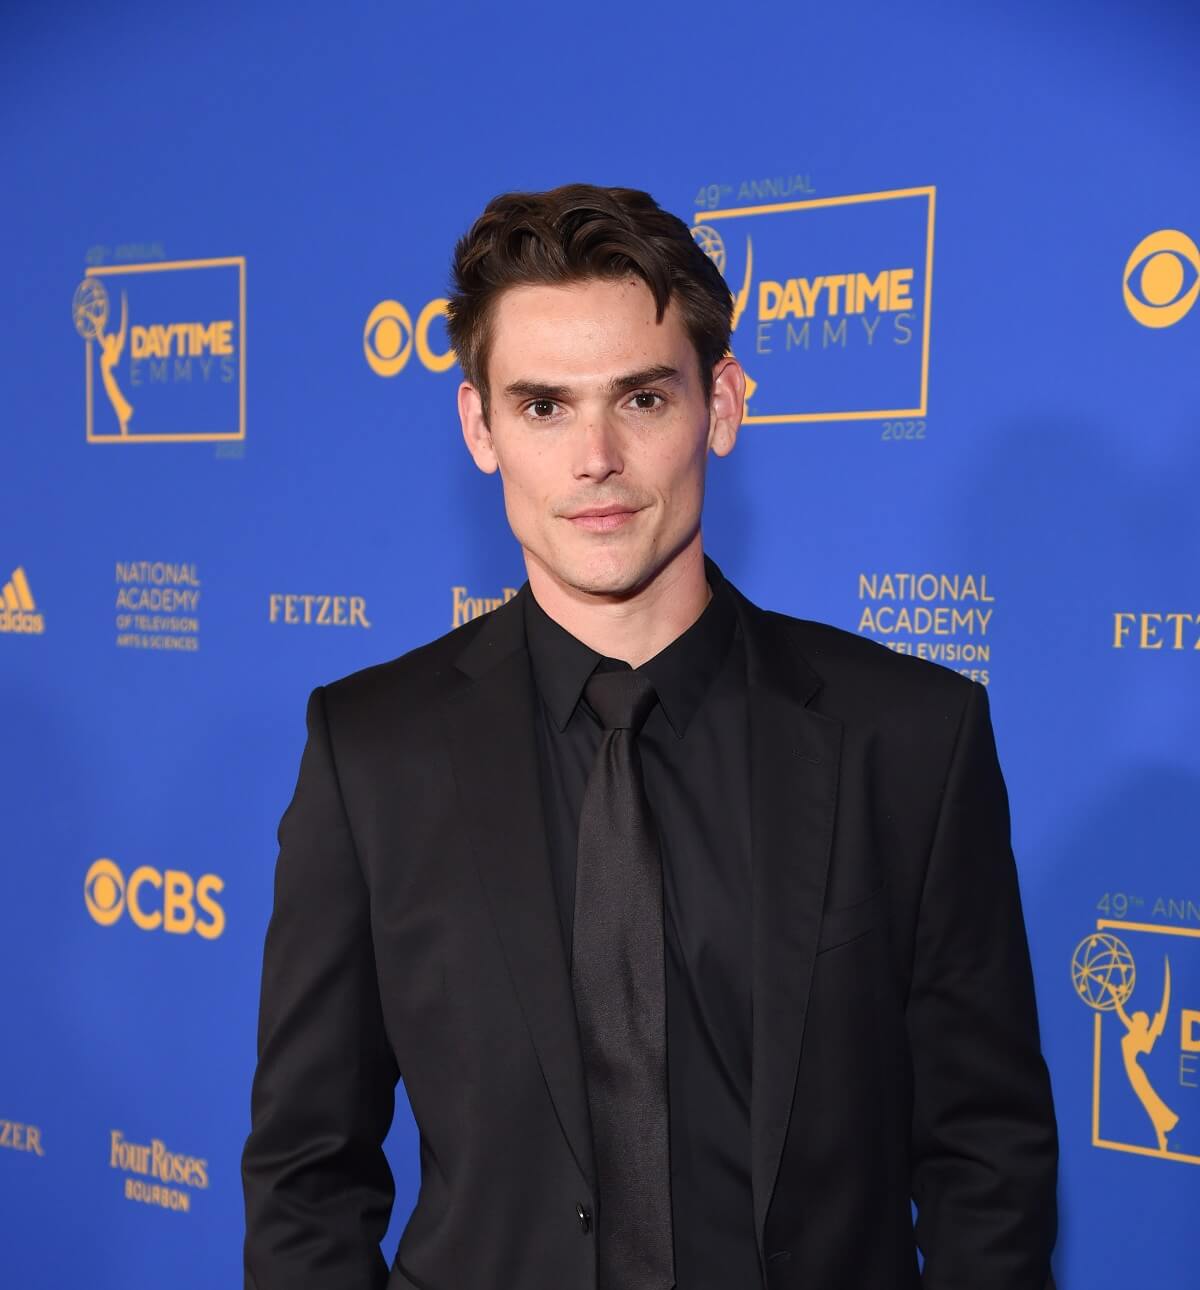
[608, 576]
[608, 584]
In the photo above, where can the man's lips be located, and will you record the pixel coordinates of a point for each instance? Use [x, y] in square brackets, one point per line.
[602, 519]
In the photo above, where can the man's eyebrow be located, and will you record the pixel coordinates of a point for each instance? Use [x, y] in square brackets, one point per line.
[658, 375]
[661, 374]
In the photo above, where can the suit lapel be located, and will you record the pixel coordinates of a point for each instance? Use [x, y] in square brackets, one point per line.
[494, 750]
[794, 755]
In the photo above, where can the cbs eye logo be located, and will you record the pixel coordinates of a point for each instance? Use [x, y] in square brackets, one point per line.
[171, 907]
[1162, 278]
[389, 338]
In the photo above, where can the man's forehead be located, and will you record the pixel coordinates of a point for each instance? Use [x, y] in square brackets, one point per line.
[591, 329]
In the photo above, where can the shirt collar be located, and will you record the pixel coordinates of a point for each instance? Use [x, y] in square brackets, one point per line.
[681, 672]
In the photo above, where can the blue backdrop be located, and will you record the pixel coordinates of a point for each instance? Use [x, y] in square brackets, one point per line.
[963, 240]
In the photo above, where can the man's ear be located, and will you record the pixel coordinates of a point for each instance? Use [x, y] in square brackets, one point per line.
[726, 405]
[475, 429]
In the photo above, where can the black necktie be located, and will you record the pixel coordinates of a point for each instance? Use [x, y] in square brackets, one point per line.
[620, 994]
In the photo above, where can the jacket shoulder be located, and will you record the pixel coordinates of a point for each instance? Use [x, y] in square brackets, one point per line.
[860, 676]
[410, 682]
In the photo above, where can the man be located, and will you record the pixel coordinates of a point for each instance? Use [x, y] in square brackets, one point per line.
[693, 929]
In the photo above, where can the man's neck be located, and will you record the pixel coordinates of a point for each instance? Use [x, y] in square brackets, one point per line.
[636, 627]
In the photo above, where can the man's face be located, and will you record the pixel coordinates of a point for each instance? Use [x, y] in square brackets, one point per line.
[599, 430]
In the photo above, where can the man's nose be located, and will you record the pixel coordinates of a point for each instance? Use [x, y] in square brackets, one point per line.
[598, 448]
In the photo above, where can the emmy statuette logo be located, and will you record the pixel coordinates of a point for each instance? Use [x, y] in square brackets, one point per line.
[90, 312]
[1145, 1076]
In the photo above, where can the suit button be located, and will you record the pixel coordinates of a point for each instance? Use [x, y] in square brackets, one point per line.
[585, 1217]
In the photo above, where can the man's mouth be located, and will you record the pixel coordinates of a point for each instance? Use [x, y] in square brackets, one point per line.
[602, 519]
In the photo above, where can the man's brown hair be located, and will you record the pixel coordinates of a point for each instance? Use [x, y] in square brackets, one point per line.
[572, 234]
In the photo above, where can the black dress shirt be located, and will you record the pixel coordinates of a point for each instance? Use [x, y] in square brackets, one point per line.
[694, 751]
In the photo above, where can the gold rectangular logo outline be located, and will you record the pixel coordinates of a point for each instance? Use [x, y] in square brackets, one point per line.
[225, 261]
[1097, 1140]
[853, 199]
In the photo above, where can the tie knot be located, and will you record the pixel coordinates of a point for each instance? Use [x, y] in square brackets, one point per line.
[622, 700]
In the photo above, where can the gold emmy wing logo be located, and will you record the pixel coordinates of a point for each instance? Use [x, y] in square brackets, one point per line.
[710, 241]
[1105, 977]
[172, 366]
[1155, 282]
[855, 305]
[90, 312]
[18, 611]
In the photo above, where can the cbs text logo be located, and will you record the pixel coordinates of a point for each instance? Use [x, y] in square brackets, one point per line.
[169, 900]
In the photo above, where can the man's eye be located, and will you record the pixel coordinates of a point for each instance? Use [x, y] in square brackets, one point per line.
[542, 408]
[647, 400]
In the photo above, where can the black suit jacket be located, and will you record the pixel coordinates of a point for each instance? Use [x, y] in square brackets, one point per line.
[414, 932]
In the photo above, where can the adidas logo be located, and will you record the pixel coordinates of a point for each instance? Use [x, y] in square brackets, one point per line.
[18, 613]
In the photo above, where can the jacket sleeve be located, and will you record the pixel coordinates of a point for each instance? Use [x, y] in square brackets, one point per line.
[318, 1188]
[985, 1142]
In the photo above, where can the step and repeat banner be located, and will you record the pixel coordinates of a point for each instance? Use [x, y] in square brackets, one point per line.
[963, 246]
